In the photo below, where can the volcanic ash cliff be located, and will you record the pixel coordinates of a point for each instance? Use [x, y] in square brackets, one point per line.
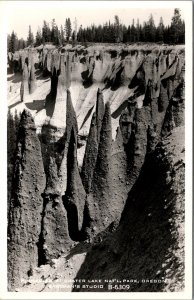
[102, 162]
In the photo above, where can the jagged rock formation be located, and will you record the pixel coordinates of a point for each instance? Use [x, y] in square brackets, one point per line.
[90, 156]
[54, 239]
[26, 203]
[59, 112]
[175, 112]
[91, 151]
[149, 242]
[123, 104]
[100, 110]
[28, 84]
[100, 201]
[104, 173]
[71, 120]
[153, 218]
[24, 89]
[120, 175]
[32, 77]
[121, 76]
[55, 139]
[75, 195]
[55, 220]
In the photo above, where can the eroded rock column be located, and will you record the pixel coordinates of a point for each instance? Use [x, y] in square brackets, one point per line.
[24, 89]
[24, 226]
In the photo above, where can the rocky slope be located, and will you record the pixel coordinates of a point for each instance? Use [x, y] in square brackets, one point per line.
[105, 152]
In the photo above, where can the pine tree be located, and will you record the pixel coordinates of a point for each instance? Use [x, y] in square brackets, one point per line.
[46, 33]
[176, 26]
[182, 33]
[62, 38]
[38, 41]
[73, 38]
[160, 30]
[151, 29]
[93, 33]
[118, 30]
[8, 41]
[21, 44]
[128, 34]
[147, 32]
[30, 38]
[138, 31]
[112, 35]
[55, 38]
[106, 32]
[141, 35]
[75, 29]
[68, 29]
[13, 42]
[133, 32]
[144, 32]
[167, 35]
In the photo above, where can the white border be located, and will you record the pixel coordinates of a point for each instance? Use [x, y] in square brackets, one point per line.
[4, 13]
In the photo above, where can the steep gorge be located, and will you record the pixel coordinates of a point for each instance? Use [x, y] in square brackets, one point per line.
[100, 152]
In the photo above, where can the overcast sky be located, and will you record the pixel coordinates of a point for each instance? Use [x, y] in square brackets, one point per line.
[21, 14]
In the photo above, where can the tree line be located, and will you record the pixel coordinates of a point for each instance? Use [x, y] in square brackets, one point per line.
[148, 32]
[114, 32]
[53, 34]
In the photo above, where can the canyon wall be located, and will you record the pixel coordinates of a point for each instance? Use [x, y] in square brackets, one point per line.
[107, 119]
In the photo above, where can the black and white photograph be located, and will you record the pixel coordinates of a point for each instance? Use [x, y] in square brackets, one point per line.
[98, 149]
